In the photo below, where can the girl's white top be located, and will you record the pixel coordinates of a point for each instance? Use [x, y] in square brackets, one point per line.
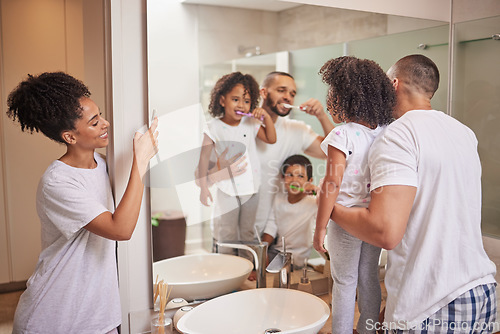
[237, 139]
[354, 140]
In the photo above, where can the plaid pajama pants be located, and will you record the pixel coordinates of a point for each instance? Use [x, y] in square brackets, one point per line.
[472, 312]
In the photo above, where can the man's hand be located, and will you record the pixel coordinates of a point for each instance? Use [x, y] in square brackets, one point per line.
[313, 107]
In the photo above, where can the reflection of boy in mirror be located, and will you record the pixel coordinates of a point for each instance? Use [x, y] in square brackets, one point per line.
[293, 136]
[294, 212]
[233, 131]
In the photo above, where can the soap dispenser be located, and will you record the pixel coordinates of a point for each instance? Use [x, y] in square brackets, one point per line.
[305, 283]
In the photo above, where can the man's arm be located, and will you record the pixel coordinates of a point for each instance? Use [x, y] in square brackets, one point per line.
[315, 108]
[314, 150]
[383, 223]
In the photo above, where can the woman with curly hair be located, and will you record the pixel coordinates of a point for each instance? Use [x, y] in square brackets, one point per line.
[233, 131]
[361, 95]
[74, 288]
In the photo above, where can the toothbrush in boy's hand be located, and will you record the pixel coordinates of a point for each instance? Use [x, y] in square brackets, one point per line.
[301, 189]
[286, 105]
[248, 114]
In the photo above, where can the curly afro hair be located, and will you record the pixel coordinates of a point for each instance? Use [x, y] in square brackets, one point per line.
[48, 103]
[359, 91]
[225, 84]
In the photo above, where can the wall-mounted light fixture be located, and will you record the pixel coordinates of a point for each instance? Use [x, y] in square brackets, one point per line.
[249, 51]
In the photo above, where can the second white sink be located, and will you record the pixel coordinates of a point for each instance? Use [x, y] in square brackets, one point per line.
[257, 311]
[202, 276]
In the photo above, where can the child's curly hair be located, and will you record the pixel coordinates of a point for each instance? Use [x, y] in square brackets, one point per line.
[225, 84]
[359, 90]
[49, 102]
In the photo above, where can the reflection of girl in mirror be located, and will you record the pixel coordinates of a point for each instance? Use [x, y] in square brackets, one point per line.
[74, 288]
[233, 131]
[360, 94]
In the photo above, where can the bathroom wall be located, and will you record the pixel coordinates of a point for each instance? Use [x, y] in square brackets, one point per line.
[223, 29]
[425, 9]
[38, 36]
[466, 10]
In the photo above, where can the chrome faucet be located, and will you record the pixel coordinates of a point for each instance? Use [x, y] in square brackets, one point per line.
[282, 265]
[259, 252]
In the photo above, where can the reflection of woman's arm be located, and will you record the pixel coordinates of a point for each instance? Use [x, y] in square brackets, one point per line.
[335, 166]
[236, 163]
[206, 151]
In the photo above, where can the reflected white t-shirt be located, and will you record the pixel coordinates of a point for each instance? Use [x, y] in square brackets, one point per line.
[296, 223]
[238, 139]
[293, 137]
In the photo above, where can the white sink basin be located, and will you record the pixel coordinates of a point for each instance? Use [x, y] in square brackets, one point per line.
[202, 276]
[255, 311]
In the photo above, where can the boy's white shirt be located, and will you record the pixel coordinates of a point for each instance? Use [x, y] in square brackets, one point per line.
[296, 223]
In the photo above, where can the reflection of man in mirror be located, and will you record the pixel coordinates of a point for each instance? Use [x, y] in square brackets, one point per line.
[293, 136]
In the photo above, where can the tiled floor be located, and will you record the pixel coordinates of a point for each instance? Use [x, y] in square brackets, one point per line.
[8, 302]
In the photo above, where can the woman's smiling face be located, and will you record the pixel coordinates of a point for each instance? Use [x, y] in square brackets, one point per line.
[91, 130]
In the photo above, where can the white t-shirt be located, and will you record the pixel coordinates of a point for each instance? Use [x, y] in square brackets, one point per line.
[74, 288]
[441, 255]
[293, 137]
[238, 139]
[354, 140]
[295, 222]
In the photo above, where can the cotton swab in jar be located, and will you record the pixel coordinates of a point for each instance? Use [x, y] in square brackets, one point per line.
[163, 303]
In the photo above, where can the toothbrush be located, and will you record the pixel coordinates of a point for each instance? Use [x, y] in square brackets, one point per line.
[155, 114]
[301, 189]
[286, 105]
[248, 114]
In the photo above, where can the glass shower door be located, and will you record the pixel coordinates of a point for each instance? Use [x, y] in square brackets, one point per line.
[476, 103]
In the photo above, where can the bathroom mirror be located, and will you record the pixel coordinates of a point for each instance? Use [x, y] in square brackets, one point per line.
[190, 45]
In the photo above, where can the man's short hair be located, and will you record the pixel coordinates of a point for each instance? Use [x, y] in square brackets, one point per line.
[417, 71]
[270, 77]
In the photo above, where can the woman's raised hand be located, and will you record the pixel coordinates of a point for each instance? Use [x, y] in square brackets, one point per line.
[146, 147]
